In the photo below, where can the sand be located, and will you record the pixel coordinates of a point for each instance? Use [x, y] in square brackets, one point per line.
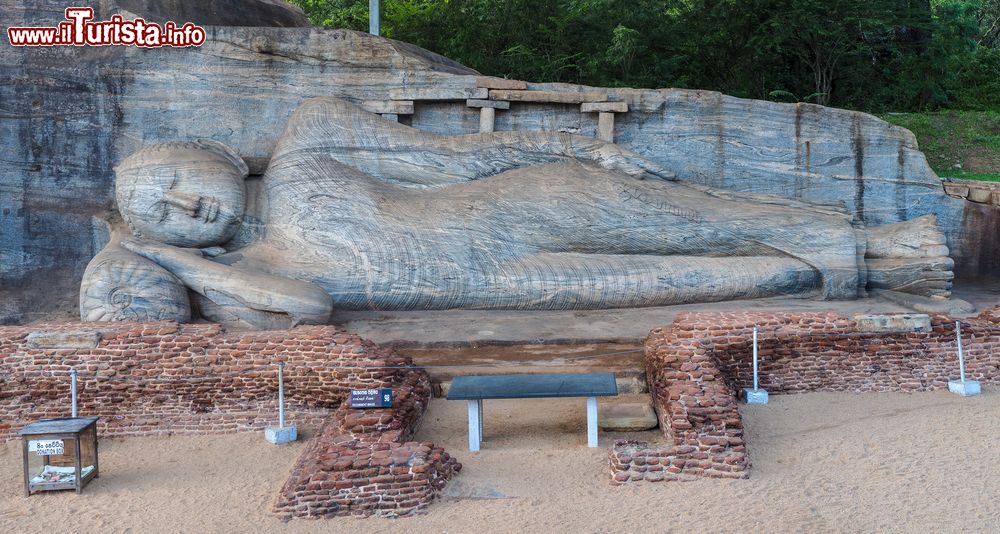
[924, 462]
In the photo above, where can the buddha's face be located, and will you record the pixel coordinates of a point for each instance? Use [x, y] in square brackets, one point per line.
[182, 194]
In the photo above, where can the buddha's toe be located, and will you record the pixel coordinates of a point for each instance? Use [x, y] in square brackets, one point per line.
[911, 257]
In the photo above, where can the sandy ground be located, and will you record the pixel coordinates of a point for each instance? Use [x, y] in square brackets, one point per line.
[924, 462]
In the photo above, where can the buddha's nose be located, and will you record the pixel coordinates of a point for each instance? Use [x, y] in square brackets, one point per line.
[185, 201]
[198, 206]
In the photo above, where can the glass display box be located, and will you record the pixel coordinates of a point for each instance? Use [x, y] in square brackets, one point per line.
[59, 454]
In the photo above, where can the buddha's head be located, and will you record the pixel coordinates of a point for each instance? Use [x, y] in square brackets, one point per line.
[187, 194]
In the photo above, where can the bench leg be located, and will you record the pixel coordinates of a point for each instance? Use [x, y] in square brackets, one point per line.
[592, 422]
[475, 425]
[482, 421]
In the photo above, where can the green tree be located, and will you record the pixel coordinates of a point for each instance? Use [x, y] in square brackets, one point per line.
[862, 54]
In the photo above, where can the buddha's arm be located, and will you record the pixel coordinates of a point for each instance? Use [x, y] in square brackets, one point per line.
[407, 156]
[492, 153]
[305, 302]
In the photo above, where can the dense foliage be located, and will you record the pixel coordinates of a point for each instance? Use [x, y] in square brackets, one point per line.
[958, 144]
[863, 54]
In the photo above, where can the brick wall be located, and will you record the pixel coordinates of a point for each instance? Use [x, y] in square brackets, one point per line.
[158, 378]
[362, 464]
[696, 367]
[698, 413]
[827, 352]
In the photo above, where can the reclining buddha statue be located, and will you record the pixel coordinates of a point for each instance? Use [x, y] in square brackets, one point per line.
[357, 212]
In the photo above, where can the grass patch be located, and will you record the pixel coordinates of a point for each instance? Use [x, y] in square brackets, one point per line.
[964, 175]
[958, 144]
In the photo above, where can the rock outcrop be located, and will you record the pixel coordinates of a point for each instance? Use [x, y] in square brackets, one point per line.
[72, 113]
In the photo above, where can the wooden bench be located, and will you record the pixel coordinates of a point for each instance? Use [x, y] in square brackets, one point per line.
[476, 389]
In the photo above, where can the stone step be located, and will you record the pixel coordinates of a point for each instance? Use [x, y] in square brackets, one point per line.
[951, 306]
[631, 414]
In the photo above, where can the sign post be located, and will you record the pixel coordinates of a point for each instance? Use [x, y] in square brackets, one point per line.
[371, 398]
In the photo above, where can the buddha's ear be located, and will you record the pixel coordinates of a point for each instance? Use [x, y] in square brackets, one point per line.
[226, 152]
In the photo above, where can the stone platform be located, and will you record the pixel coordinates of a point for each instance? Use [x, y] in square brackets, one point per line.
[462, 342]
[450, 329]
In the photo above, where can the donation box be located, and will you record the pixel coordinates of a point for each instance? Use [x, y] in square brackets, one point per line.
[59, 454]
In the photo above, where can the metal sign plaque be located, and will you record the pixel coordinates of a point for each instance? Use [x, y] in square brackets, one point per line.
[371, 398]
[47, 447]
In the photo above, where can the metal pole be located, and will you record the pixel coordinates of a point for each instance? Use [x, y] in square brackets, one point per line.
[755, 358]
[281, 395]
[373, 17]
[961, 357]
[72, 374]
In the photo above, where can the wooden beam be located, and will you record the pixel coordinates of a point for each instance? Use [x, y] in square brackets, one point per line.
[611, 107]
[396, 107]
[555, 97]
[438, 93]
[490, 82]
[495, 104]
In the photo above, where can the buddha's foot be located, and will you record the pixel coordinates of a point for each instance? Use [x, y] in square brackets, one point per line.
[910, 257]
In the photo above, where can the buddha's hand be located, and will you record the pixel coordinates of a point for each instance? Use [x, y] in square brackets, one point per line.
[121, 286]
[617, 158]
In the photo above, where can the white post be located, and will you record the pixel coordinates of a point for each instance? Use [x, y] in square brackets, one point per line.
[281, 395]
[72, 373]
[373, 17]
[474, 425]
[755, 395]
[755, 358]
[281, 433]
[963, 387]
[592, 422]
[961, 357]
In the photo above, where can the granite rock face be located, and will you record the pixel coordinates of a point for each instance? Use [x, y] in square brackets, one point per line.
[218, 12]
[71, 114]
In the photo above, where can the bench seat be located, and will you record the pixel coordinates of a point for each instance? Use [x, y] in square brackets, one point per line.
[475, 389]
